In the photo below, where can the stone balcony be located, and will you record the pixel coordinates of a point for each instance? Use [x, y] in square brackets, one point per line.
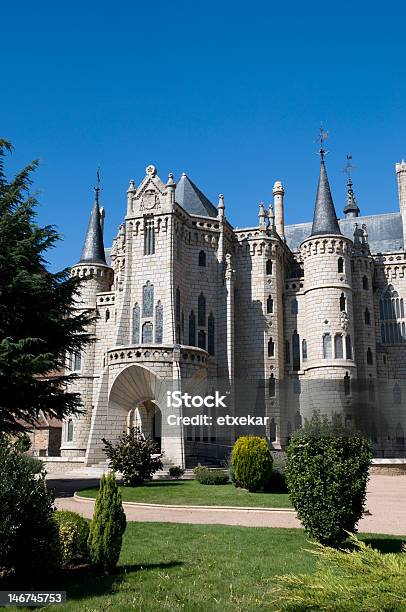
[164, 353]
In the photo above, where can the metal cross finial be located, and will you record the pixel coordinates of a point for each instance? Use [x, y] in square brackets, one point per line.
[323, 135]
[97, 188]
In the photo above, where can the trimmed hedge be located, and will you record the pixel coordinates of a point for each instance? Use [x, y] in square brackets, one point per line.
[327, 474]
[73, 535]
[210, 477]
[252, 463]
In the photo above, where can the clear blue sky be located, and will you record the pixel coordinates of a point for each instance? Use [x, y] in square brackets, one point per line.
[232, 93]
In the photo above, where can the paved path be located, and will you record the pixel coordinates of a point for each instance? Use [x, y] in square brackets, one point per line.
[386, 502]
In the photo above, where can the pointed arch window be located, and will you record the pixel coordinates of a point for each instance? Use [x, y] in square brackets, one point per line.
[77, 361]
[338, 346]
[107, 315]
[343, 303]
[348, 347]
[192, 329]
[147, 333]
[370, 357]
[304, 350]
[202, 259]
[365, 282]
[397, 394]
[327, 348]
[201, 310]
[269, 267]
[149, 235]
[271, 348]
[269, 305]
[210, 334]
[392, 314]
[367, 317]
[136, 325]
[201, 339]
[148, 300]
[296, 351]
[159, 323]
[340, 265]
[272, 386]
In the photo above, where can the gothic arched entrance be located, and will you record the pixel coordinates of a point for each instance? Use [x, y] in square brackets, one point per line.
[147, 418]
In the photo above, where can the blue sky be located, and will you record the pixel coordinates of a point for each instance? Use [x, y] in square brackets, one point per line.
[232, 93]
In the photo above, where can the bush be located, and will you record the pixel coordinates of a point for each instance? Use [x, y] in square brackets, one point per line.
[108, 525]
[327, 474]
[252, 463]
[349, 581]
[133, 456]
[28, 532]
[206, 476]
[73, 532]
[176, 472]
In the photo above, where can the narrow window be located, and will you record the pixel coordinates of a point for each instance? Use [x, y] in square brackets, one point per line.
[69, 431]
[202, 259]
[201, 339]
[338, 346]
[136, 324]
[296, 351]
[397, 394]
[210, 334]
[147, 335]
[271, 348]
[107, 315]
[348, 347]
[343, 303]
[365, 283]
[192, 329]
[201, 310]
[272, 386]
[269, 305]
[159, 324]
[347, 384]
[149, 235]
[269, 267]
[294, 308]
[148, 300]
[77, 361]
[370, 358]
[340, 265]
[367, 317]
[304, 350]
[327, 352]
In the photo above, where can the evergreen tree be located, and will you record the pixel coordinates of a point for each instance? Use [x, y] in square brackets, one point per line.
[38, 321]
[108, 525]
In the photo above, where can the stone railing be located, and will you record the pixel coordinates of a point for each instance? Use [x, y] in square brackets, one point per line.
[156, 352]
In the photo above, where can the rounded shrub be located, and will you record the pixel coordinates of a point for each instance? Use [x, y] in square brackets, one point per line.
[73, 532]
[327, 474]
[176, 472]
[252, 463]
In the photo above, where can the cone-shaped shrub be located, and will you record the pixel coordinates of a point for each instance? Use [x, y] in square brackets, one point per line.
[252, 463]
[108, 525]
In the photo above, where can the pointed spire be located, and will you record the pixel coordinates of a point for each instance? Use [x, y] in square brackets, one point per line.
[325, 218]
[351, 208]
[262, 217]
[93, 247]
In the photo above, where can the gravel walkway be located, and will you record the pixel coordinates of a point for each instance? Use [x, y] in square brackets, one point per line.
[386, 502]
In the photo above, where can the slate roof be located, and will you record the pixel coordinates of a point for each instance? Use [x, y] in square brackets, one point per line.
[325, 217]
[385, 232]
[189, 196]
[93, 247]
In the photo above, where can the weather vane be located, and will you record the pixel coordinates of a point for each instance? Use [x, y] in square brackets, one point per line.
[349, 167]
[97, 189]
[323, 135]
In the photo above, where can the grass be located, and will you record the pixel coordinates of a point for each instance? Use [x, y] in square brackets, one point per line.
[197, 568]
[192, 493]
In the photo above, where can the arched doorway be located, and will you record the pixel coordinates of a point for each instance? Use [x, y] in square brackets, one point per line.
[147, 418]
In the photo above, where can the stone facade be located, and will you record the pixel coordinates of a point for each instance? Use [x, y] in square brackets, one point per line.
[284, 320]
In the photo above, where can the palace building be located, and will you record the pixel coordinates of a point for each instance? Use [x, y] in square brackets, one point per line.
[284, 320]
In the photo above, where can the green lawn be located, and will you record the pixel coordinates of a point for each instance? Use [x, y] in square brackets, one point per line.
[197, 568]
[192, 493]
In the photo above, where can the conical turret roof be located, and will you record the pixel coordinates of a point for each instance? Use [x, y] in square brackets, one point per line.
[325, 218]
[93, 247]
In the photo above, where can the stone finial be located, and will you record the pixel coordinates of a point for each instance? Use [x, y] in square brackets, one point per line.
[351, 208]
[278, 188]
[221, 201]
[171, 185]
[262, 216]
[271, 216]
[170, 180]
[150, 170]
[131, 187]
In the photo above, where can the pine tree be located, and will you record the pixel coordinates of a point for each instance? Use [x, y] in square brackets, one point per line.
[38, 321]
[108, 525]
